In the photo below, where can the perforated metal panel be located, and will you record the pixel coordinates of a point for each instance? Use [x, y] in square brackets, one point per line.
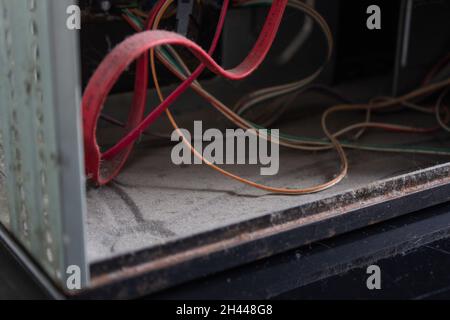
[40, 115]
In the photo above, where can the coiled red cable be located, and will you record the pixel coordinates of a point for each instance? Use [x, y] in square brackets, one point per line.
[102, 168]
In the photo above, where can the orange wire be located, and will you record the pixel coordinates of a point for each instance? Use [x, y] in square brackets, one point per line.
[333, 137]
[309, 190]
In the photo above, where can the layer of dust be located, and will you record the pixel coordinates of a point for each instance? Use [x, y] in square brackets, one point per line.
[154, 201]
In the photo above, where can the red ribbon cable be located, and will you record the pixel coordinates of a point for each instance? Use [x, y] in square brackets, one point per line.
[102, 168]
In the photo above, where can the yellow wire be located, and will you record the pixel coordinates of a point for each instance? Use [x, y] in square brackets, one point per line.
[198, 155]
[333, 137]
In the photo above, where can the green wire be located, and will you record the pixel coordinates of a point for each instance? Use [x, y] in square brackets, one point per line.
[163, 50]
[324, 142]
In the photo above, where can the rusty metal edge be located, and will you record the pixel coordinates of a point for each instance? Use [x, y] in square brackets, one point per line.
[158, 268]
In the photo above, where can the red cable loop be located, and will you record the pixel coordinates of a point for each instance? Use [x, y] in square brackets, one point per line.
[102, 168]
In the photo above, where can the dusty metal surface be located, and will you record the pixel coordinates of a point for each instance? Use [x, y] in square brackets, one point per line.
[154, 269]
[154, 202]
[160, 224]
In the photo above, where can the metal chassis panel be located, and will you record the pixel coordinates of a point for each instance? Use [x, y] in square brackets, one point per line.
[41, 131]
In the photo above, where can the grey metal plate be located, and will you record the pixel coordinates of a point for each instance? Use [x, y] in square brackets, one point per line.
[39, 91]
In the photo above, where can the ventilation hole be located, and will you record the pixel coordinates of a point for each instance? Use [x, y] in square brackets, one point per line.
[5, 13]
[44, 180]
[35, 52]
[32, 5]
[48, 237]
[24, 224]
[8, 37]
[40, 138]
[37, 75]
[45, 202]
[49, 255]
[33, 28]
